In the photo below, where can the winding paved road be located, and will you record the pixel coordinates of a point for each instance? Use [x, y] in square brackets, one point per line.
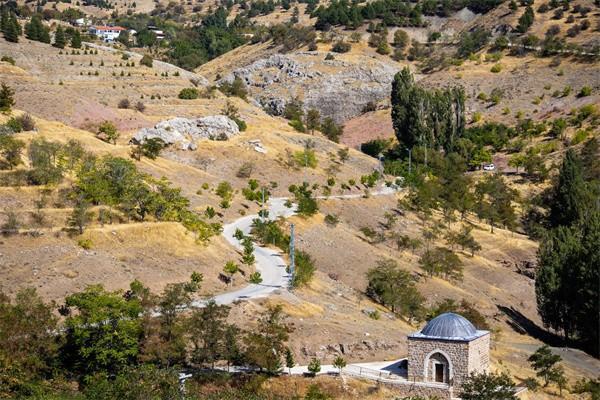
[269, 262]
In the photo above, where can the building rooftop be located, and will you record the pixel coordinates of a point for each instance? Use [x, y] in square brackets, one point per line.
[449, 326]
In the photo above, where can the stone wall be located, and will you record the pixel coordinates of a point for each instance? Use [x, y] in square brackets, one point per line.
[479, 354]
[441, 393]
[456, 352]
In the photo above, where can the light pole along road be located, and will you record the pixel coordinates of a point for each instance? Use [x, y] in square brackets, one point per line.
[269, 262]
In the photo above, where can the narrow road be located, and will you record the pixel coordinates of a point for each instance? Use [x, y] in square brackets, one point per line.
[269, 262]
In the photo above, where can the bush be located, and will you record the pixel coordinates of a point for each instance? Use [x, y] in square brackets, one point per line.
[188, 94]
[236, 88]
[341, 47]
[85, 243]
[146, 60]
[496, 68]
[124, 104]
[585, 91]
[8, 59]
[245, 170]
[140, 106]
[298, 125]
[332, 220]
[375, 147]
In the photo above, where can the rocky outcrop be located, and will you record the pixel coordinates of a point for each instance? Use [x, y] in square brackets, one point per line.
[339, 89]
[185, 132]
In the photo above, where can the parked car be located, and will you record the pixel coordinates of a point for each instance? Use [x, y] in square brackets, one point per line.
[489, 167]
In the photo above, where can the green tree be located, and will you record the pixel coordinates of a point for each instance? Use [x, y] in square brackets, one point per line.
[305, 269]
[7, 99]
[331, 130]
[76, 39]
[488, 387]
[441, 262]
[289, 360]
[426, 118]
[395, 288]
[265, 346]
[108, 132]
[314, 366]
[59, 38]
[568, 280]
[570, 197]
[544, 363]
[12, 29]
[526, 20]
[28, 345]
[80, 216]
[231, 268]
[11, 150]
[103, 334]
[339, 363]
[134, 383]
[493, 201]
[312, 120]
[207, 327]
[255, 278]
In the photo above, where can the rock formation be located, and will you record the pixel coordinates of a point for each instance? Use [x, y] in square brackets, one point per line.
[186, 132]
[339, 89]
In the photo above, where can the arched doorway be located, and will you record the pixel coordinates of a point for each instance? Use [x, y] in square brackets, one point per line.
[438, 367]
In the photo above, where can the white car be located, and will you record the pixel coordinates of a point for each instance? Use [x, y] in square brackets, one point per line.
[489, 167]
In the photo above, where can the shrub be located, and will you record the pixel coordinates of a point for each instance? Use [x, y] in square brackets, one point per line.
[585, 91]
[85, 243]
[245, 170]
[375, 147]
[341, 47]
[188, 94]
[476, 117]
[146, 60]
[298, 125]
[8, 59]
[496, 68]
[124, 104]
[332, 220]
[329, 57]
[140, 106]
[14, 125]
[236, 88]
[579, 137]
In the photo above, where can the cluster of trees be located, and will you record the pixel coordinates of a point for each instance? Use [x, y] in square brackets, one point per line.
[568, 278]
[391, 12]
[194, 46]
[431, 118]
[10, 27]
[311, 120]
[395, 288]
[270, 232]
[130, 344]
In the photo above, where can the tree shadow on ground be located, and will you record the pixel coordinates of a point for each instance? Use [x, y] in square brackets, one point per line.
[521, 324]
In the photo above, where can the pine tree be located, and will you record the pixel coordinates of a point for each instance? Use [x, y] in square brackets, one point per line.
[6, 98]
[76, 40]
[11, 33]
[3, 19]
[59, 38]
[32, 28]
[570, 197]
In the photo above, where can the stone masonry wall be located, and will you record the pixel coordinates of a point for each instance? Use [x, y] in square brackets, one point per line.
[479, 354]
[458, 354]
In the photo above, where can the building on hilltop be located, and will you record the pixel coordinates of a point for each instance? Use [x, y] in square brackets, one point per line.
[447, 350]
[107, 33]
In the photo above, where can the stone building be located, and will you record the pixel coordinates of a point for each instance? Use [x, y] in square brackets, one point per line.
[447, 350]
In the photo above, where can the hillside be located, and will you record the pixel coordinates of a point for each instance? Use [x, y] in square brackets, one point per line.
[462, 211]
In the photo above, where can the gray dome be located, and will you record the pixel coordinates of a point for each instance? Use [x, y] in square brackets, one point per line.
[449, 325]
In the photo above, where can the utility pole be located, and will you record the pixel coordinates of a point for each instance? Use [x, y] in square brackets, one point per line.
[292, 253]
[262, 205]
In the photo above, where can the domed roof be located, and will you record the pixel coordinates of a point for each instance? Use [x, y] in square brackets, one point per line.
[449, 325]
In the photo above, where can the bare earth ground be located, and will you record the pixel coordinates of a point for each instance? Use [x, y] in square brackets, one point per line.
[331, 311]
